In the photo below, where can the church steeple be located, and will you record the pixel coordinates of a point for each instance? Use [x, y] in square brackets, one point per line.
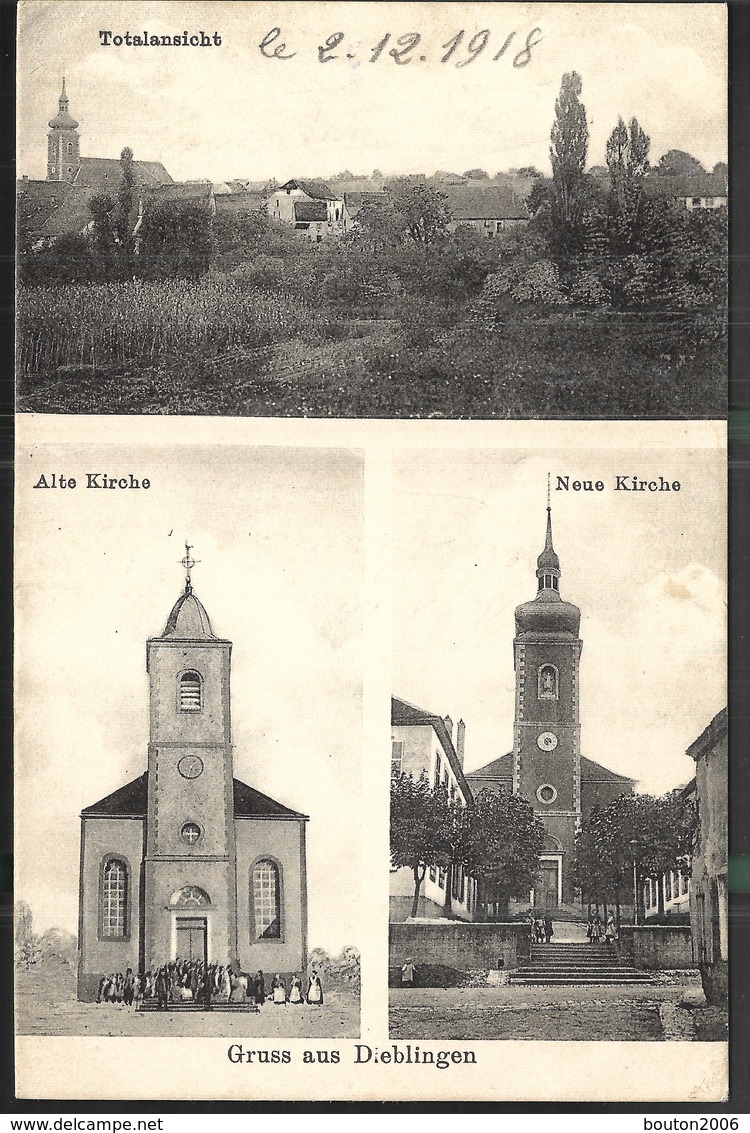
[548, 564]
[63, 156]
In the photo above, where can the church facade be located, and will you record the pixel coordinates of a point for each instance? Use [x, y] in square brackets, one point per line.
[187, 861]
[546, 765]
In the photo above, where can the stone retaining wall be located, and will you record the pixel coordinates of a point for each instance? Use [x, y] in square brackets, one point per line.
[460, 944]
[658, 947]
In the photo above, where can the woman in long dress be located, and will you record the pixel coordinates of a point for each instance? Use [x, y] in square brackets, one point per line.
[610, 933]
[278, 988]
[314, 990]
[259, 988]
[295, 991]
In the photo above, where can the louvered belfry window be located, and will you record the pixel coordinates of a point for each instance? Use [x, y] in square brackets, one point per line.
[191, 692]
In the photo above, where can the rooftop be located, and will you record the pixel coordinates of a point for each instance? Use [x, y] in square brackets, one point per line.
[131, 801]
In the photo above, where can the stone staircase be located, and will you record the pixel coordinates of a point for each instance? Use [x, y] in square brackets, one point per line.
[190, 1005]
[582, 963]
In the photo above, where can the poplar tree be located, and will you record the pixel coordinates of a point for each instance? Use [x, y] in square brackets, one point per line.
[568, 154]
[125, 201]
[627, 160]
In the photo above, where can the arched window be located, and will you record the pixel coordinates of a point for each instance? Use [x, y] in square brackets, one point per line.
[191, 691]
[266, 900]
[548, 683]
[70, 147]
[114, 900]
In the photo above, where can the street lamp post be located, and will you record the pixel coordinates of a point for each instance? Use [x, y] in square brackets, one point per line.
[633, 851]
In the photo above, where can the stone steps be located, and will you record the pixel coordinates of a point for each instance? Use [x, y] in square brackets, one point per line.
[634, 977]
[190, 1005]
[577, 964]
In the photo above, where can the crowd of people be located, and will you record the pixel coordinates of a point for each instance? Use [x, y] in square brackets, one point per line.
[193, 981]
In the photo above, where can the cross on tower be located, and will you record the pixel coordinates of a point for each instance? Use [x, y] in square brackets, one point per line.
[188, 564]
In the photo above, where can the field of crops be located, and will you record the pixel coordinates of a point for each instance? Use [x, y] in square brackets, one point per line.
[137, 323]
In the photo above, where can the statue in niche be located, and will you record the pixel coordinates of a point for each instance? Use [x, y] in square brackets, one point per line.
[548, 683]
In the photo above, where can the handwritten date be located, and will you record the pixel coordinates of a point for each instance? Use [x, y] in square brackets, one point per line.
[459, 51]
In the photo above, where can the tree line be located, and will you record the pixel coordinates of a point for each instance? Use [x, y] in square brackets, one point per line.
[497, 839]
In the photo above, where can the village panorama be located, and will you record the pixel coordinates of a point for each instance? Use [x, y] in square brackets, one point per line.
[596, 288]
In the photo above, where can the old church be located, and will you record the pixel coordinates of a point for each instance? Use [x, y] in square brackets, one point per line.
[187, 861]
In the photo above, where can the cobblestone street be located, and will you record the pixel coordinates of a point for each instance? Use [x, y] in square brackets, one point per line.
[644, 1013]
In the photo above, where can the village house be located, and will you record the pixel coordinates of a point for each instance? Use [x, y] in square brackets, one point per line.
[311, 207]
[422, 746]
[699, 191]
[489, 211]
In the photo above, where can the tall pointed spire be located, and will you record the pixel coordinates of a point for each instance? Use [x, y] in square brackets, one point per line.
[548, 564]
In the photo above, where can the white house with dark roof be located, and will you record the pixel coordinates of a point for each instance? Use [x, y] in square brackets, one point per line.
[694, 192]
[186, 861]
[422, 745]
[311, 207]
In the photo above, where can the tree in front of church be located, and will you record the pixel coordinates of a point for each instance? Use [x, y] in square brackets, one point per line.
[175, 240]
[27, 942]
[421, 823]
[635, 838]
[508, 839]
[126, 193]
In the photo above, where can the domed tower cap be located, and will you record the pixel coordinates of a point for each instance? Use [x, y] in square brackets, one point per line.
[188, 620]
[63, 120]
[548, 616]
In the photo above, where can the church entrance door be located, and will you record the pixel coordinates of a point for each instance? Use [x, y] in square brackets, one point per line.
[192, 933]
[546, 889]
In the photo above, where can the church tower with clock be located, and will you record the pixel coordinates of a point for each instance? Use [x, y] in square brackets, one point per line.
[546, 765]
[547, 730]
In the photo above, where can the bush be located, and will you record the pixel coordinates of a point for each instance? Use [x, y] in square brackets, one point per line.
[337, 972]
[588, 291]
[540, 284]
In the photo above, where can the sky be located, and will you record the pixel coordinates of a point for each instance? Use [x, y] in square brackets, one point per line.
[646, 570]
[277, 533]
[229, 111]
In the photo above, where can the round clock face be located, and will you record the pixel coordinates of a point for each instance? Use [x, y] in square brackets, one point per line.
[547, 741]
[190, 766]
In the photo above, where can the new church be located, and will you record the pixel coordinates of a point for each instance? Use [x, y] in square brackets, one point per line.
[187, 861]
[546, 765]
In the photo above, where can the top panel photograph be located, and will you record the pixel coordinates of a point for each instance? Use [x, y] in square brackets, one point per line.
[396, 210]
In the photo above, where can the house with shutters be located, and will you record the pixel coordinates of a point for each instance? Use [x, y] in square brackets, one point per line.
[186, 861]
